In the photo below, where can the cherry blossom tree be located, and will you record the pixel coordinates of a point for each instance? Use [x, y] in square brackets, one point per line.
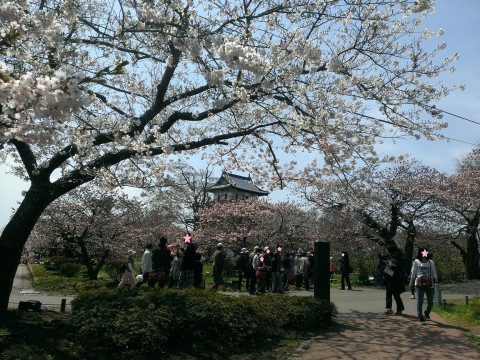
[157, 222]
[182, 194]
[254, 222]
[457, 194]
[117, 90]
[91, 225]
[380, 204]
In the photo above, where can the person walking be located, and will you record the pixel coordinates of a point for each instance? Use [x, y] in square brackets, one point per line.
[333, 269]
[188, 265]
[242, 268]
[267, 256]
[424, 276]
[198, 280]
[277, 286]
[128, 276]
[261, 275]
[218, 266]
[286, 269]
[161, 260]
[146, 266]
[176, 267]
[253, 268]
[305, 269]
[345, 270]
[394, 280]
[297, 270]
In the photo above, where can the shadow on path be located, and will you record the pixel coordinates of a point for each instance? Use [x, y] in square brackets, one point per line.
[366, 335]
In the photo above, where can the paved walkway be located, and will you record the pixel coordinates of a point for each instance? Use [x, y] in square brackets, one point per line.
[365, 332]
[22, 291]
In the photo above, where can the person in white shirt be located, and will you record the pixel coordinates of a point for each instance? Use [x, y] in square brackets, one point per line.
[146, 265]
[254, 268]
[424, 275]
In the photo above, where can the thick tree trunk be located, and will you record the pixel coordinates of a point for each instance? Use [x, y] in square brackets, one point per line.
[463, 254]
[14, 237]
[85, 256]
[473, 257]
[101, 263]
[409, 245]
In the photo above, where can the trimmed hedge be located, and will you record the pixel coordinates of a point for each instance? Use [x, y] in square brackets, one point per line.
[134, 323]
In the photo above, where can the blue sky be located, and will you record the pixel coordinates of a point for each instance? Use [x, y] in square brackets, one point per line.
[461, 21]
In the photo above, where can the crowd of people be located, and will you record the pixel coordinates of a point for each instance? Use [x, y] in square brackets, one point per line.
[261, 271]
[177, 267]
[265, 271]
[275, 270]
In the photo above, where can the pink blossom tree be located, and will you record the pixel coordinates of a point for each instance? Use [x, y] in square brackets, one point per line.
[91, 225]
[461, 209]
[380, 204]
[116, 90]
[254, 222]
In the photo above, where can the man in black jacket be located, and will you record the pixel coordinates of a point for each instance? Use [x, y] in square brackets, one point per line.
[161, 260]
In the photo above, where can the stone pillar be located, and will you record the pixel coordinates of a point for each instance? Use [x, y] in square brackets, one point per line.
[322, 270]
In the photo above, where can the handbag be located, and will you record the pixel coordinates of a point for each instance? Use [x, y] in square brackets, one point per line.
[424, 282]
[261, 273]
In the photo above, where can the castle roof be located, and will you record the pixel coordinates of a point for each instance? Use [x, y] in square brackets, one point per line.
[242, 183]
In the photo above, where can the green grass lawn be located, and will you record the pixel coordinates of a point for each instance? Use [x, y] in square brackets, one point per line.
[53, 282]
[465, 317]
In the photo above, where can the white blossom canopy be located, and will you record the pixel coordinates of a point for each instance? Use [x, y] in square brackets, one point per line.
[89, 85]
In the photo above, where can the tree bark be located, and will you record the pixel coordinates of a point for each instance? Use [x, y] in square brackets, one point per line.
[15, 235]
[470, 256]
[473, 257]
[409, 245]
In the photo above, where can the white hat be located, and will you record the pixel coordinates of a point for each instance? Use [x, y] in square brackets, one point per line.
[244, 250]
[219, 245]
[130, 252]
[266, 248]
[139, 278]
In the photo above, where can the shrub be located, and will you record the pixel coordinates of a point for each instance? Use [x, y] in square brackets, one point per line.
[292, 313]
[58, 261]
[70, 269]
[112, 268]
[134, 323]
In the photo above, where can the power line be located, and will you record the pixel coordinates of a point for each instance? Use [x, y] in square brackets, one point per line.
[461, 141]
[460, 117]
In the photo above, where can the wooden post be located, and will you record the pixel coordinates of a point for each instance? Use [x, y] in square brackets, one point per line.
[438, 295]
[63, 305]
[322, 270]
